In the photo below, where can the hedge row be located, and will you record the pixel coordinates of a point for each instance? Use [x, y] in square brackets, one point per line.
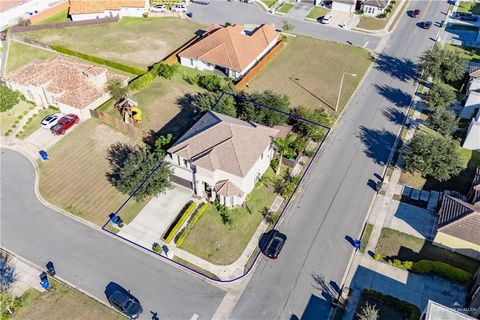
[143, 81]
[181, 218]
[201, 209]
[442, 269]
[394, 302]
[105, 62]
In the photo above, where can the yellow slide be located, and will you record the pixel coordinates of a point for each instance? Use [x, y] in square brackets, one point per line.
[137, 114]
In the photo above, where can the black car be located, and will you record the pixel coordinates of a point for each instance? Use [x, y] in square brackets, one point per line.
[427, 24]
[127, 304]
[275, 244]
[204, 2]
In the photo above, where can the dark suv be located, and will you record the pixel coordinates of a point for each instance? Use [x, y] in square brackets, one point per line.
[275, 244]
[127, 304]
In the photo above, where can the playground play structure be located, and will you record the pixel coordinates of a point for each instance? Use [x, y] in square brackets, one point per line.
[130, 111]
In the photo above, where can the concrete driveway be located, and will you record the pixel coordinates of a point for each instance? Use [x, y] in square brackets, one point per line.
[154, 219]
[412, 220]
[300, 10]
[43, 139]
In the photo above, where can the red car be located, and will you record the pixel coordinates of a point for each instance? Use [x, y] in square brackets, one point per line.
[416, 13]
[65, 123]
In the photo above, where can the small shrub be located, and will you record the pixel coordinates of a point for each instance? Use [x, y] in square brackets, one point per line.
[407, 265]
[412, 309]
[7, 134]
[17, 121]
[20, 117]
[377, 256]
[166, 71]
[210, 82]
[181, 218]
[142, 82]
[8, 98]
[442, 269]
[274, 164]
[191, 79]
[226, 219]
[14, 125]
[381, 15]
[25, 112]
[359, 12]
[145, 15]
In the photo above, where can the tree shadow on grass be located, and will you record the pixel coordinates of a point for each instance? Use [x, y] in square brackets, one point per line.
[396, 96]
[400, 68]
[378, 143]
[117, 154]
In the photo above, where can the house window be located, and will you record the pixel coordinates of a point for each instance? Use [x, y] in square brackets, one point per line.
[185, 162]
[178, 160]
[191, 62]
[232, 201]
[261, 156]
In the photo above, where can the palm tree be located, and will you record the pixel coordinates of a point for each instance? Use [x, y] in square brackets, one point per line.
[284, 147]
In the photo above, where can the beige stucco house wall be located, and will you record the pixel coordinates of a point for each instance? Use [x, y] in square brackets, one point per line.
[458, 245]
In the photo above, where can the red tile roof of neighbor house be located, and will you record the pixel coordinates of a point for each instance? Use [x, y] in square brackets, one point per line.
[65, 77]
[219, 142]
[97, 6]
[230, 46]
[459, 219]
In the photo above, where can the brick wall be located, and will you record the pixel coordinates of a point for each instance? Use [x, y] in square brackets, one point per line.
[49, 12]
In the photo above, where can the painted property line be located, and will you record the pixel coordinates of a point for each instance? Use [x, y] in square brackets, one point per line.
[237, 97]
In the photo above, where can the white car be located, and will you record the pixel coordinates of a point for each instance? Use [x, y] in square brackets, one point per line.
[180, 8]
[50, 120]
[326, 19]
[158, 8]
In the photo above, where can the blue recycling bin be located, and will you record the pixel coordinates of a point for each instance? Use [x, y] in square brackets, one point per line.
[43, 155]
[189, 14]
[44, 283]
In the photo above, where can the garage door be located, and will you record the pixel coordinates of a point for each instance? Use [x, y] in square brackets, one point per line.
[339, 6]
[182, 182]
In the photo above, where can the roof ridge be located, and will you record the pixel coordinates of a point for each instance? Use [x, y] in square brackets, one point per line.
[461, 216]
[233, 47]
[235, 151]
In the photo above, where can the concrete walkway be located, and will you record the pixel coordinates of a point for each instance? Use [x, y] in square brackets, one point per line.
[26, 276]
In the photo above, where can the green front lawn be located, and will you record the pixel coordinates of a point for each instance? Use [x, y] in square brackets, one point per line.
[396, 244]
[374, 23]
[317, 12]
[314, 83]
[286, 7]
[468, 7]
[61, 16]
[367, 232]
[60, 303]
[223, 244]
[21, 54]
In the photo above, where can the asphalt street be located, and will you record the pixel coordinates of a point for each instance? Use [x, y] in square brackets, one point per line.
[333, 204]
[249, 13]
[89, 258]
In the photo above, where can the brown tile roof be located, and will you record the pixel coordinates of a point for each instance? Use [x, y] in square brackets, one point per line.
[230, 47]
[219, 142]
[97, 6]
[474, 70]
[381, 4]
[283, 130]
[227, 188]
[64, 77]
[459, 219]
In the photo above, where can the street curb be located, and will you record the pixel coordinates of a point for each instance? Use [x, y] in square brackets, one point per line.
[60, 279]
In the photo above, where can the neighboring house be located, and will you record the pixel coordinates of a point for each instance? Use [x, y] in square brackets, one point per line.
[374, 7]
[95, 9]
[472, 140]
[344, 5]
[232, 50]
[72, 86]
[459, 222]
[472, 104]
[222, 158]
[437, 311]
[474, 296]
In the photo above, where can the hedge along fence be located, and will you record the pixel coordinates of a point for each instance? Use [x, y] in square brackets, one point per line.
[181, 218]
[260, 65]
[200, 210]
[393, 302]
[105, 62]
[442, 269]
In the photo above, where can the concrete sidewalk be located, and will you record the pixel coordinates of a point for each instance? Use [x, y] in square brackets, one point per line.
[27, 276]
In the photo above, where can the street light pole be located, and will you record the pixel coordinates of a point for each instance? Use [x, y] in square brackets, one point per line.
[340, 89]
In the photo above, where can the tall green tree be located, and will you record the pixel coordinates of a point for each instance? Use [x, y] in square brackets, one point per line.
[117, 89]
[137, 164]
[433, 155]
[204, 101]
[285, 149]
[443, 121]
[251, 112]
[308, 129]
[443, 64]
[8, 303]
[440, 96]
[368, 312]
